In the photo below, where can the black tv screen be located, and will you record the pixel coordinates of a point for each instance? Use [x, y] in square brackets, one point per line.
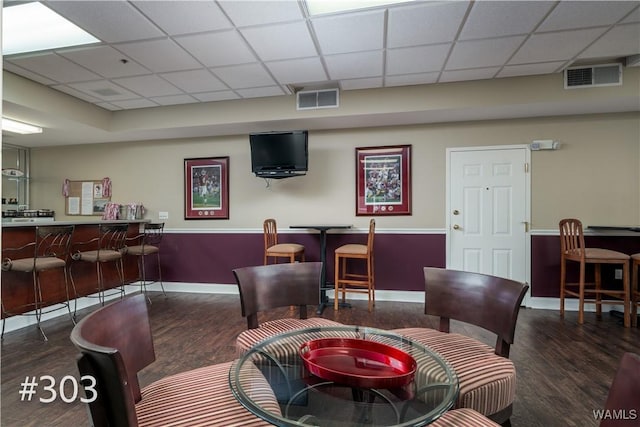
[279, 154]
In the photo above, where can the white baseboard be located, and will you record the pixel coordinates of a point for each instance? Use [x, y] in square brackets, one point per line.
[21, 321]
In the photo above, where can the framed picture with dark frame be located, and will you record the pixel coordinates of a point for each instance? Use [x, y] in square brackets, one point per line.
[206, 188]
[383, 180]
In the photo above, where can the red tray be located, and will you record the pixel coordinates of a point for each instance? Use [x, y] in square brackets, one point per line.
[358, 363]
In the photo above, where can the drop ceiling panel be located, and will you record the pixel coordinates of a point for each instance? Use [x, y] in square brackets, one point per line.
[531, 69]
[218, 49]
[148, 86]
[105, 61]
[351, 84]
[483, 53]
[412, 79]
[429, 23]
[244, 76]
[416, 59]
[355, 65]
[55, 67]
[224, 95]
[173, 99]
[259, 92]
[506, 18]
[620, 41]
[285, 41]
[350, 33]
[297, 71]
[245, 13]
[104, 90]
[579, 14]
[159, 55]
[135, 103]
[194, 81]
[555, 46]
[174, 18]
[475, 74]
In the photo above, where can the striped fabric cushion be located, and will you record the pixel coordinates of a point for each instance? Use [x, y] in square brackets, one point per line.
[463, 417]
[201, 397]
[250, 337]
[487, 381]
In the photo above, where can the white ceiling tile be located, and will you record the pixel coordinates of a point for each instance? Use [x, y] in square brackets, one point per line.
[530, 69]
[76, 93]
[483, 53]
[463, 75]
[216, 96]
[159, 55]
[354, 65]
[135, 103]
[104, 90]
[259, 92]
[148, 86]
[350, 33]
[184, 17]
[55, 67]
[105, 61]
[622, 40]
[246, 12]
[9, 66]
[285, 41]
[428, 23]
[109, 21]
[172, 99]
[108, 106]
[194, 81]
[352, 84]
[503, 18]
[297, 70]
[632, 17]
[577, 14]
[244, 76]
[218, 49]
[421, 59]
[412, 79]
[555, 46]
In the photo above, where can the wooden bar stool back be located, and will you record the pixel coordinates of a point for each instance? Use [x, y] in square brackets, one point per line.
[635, 289]
[48, 251]
[355, 282]
[273, 249]
[572, 248]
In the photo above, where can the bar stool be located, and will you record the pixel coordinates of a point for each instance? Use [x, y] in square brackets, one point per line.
[273, 249]
[49, 251]
[572, 248]
[635, 289]
[147, 244]
[108, 247]
[355, 282]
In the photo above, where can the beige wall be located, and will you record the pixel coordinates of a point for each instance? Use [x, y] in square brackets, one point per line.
[594, 176]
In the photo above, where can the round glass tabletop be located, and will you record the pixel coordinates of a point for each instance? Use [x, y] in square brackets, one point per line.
[344, 376]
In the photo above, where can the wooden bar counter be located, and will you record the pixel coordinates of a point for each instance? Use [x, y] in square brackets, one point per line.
[17, 288]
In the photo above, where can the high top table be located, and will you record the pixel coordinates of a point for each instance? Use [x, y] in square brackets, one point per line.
[323, 258]
[308, 399]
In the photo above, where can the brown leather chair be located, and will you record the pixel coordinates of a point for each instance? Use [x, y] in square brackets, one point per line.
[572, 248]
[273, 249]
[147, 243]
[115, 343]
[48, 251]
[487, 377]
[622, 407]
[635, 289]
[266, 287]
[346, 281]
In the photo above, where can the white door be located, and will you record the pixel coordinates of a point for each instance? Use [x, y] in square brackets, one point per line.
[488, 211]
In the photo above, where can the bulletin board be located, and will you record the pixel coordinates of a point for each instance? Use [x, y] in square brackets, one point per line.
[86, 197]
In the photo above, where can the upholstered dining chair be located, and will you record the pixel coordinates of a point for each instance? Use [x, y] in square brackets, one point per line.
[147, 243]
[624, 394]
[572, 248]
[115, 343]
[48, 251]
[635, 288]
[267, 287]
[275, 250]
[487, 376]
[108, 246]
[346, 281]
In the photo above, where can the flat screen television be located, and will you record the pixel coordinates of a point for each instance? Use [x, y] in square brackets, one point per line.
[279, 154]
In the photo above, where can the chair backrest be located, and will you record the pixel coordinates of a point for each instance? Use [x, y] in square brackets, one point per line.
[153, 233]
[622, 407]
[270, 233]
[54, 241]
[113, 236]
[571, 236]
[487, 301]
[278, 285]
[115, 344]
[372, 231]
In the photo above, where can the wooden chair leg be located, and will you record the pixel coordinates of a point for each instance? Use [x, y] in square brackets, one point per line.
[598, 280]
[634, 288]
[563, 279]
[627, 294]
[581, 296]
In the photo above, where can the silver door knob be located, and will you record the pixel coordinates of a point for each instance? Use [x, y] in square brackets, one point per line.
[456, 227]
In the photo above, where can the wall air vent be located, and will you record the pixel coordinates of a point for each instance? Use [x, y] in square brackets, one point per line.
[597, 75]
[315, 99]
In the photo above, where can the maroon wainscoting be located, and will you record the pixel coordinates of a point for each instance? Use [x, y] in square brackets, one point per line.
[545, 261]
[210, 257]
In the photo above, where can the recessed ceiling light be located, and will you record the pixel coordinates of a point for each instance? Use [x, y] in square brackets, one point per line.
[19, 127]
[31, 27]
[319, 7]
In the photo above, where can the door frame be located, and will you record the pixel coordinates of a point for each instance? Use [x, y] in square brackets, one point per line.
[527, 201]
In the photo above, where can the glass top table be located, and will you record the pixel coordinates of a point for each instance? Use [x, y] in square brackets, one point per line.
[306, 399]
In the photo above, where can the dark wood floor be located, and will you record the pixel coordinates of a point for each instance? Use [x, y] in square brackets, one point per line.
[564, 370]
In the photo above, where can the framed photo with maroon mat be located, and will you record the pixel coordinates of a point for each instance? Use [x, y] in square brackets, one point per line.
[206, 188]
[383, 180]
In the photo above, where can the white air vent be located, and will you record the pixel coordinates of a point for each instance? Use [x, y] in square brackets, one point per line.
[597, 75]
[314, 99]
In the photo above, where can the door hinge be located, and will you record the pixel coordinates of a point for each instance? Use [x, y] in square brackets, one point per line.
[526, 168]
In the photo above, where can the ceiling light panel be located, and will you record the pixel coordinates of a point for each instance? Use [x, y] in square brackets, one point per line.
[31, 27]
[19, 127]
